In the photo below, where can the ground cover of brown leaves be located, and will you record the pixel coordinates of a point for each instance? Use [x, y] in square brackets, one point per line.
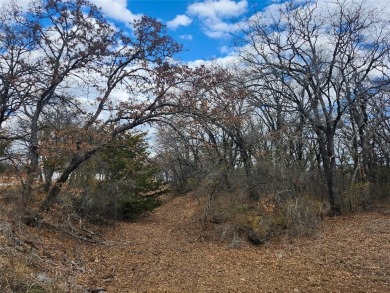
[160, 253]
[351, 254]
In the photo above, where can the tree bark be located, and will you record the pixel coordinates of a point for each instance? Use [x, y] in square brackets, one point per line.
[327, 153]
[55, 190]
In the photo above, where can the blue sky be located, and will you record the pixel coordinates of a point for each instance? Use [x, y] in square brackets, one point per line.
[201, 26]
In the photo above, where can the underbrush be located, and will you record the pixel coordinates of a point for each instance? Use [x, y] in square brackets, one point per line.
[22, 266]
[99, 202]
[231, 219]
[357, 197]
[112, 202]
[36, 251]
[18, 276]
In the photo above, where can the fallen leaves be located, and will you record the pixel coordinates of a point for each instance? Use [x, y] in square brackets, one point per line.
[157, 254]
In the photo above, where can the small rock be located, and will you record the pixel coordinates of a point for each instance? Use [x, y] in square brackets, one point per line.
[6, 230]
[236, 243]
[255, 239]
[279, 255]
[44, 279]
[97, 290]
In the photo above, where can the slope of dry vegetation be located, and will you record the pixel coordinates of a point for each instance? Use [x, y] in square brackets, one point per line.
[165, 252]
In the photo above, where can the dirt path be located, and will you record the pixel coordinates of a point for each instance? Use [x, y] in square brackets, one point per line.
[351, 254]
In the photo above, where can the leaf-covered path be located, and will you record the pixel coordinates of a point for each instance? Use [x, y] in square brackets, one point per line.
[157, 254]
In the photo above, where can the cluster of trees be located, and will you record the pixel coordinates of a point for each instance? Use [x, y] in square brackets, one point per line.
[71, 83]
[304, 109]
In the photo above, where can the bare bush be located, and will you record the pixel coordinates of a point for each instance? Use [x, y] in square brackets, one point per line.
[302, 216]
[357, 197]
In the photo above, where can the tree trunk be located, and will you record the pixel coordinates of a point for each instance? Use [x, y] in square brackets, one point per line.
[48, 173]
[55, 190]
[33, 156]
[326, 146]
[248, 168]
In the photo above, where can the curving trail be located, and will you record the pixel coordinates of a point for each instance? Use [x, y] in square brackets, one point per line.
[160, 254]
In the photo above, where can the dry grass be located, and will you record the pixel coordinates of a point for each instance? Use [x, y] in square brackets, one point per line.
[164, 252]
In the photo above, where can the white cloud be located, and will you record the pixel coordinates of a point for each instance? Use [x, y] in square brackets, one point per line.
[218, 8]
[225, 62]
[21, 3]
[214, 15]
[227, 50]
[217, 26]
[179, 20]
[116, 9]
[186, 37]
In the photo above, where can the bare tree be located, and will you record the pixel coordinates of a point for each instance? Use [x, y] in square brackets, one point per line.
[216, 130]
[112, 81]
[16, 46]
[317, 58]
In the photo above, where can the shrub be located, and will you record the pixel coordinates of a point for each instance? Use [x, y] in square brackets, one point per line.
[113, 201]
[116, 184]
[302, 216]
[259, 222]
[134, 206]
[357, 197]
